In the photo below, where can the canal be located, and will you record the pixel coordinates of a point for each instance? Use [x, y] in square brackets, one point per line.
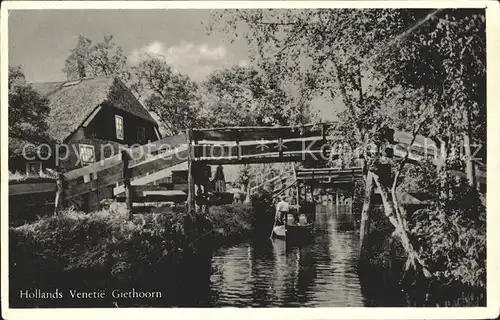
[322, 273]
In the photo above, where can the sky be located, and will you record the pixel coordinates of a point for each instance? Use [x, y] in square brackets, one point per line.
[40, 41]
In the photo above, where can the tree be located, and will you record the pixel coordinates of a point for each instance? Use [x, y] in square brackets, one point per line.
[243, 96]
[101, 59]
[173, 97]
[371, 59]
[27, 109]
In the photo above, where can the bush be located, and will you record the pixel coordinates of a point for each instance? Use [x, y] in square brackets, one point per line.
[264, 213]
[231, 222]
[96, 250]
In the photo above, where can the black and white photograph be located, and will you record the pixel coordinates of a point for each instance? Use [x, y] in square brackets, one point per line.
[247, 156]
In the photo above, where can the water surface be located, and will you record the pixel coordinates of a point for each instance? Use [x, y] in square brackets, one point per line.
[321, 273]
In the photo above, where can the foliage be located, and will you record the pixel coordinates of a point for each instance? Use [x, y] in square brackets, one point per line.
[401, 60]
[243, 96]
[27, 109]
[99, 242]
[243, 177]
[61, 236]
[262, 202]
[103, 58]
[402, 69]
[172, 96]
[231, 222]
[452, 237]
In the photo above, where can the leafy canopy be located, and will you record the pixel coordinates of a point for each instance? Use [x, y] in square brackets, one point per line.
[27, 109]
[103, 58]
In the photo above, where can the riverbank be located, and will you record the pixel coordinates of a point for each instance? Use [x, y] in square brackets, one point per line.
[384, 268]
[100, 251]
[103, 251]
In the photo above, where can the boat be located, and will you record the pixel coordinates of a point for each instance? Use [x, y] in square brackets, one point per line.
[292, 230]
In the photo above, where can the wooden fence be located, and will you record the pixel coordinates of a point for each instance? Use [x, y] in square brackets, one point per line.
[117, 169]
[237, 145]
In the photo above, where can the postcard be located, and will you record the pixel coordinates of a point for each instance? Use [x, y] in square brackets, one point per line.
[287, 159]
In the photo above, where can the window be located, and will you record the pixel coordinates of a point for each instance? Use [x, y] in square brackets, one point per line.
[87, 154]
[34, 168]
[119, 127]
[141, 135]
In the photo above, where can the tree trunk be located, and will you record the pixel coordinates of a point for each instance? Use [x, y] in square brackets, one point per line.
[389, 211]
[365, 216]
[469, 165]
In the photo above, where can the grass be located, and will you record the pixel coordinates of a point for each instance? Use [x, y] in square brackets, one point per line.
[96, 250]
[105, 250]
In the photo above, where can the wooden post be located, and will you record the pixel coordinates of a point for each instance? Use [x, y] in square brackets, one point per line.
[238, 149]
[298, 193]
[206, 179]
[337, 197]
[365, 215]
[280, 147]
[191, 189]
[352, 191]
[127, 185]
[59, 193]
[312, 196]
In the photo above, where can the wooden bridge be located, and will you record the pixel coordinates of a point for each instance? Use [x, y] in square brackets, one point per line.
[133, 169]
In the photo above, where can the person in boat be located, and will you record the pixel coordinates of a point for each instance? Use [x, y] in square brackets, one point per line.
[282, 209]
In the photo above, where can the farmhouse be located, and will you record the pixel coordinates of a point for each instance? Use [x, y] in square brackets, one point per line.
[90, 119]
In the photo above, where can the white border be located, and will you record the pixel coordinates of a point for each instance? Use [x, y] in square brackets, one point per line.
[493, 114]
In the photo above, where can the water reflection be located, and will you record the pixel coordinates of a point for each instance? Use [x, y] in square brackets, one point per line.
[270, 273]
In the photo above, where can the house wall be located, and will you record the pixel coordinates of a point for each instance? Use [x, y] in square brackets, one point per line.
[101, 134]
[102, 148]
[103, 126]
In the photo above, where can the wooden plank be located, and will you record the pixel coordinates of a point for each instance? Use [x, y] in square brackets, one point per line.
[316, 170]
[357, 173]
[318, 177]
[402, 137]
[156, 198]
[129, 193]
[160, 162]
[325, 179]
[158, 146]
[153, 209]
[93, 168]
[191, 201]
[304, 173]
[31, 188]
[266, 158]
[258, 133]
[91, 117]
[137, 154]
[242, 151]
[93, 185]
[326, 185]
[151, 189]
[179, 187]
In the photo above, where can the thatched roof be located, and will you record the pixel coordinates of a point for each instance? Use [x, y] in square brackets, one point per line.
[72, 102]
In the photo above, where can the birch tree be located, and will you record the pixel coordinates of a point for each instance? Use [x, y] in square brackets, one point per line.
[370, 60]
